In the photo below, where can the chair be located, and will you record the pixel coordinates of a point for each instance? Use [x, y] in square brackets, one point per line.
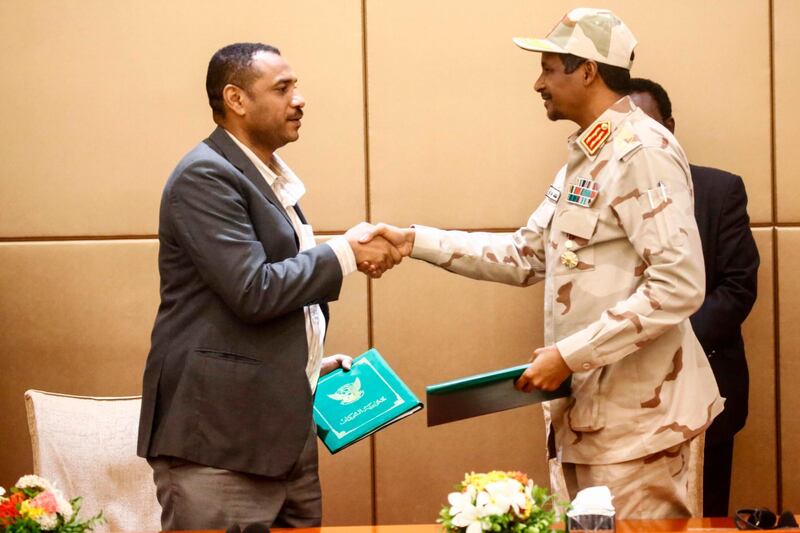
[87, 447]
[695, 489]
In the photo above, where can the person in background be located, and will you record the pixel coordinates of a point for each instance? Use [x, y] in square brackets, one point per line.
[731, 261]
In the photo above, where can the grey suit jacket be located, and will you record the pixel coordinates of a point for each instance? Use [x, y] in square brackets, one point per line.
[225, 382]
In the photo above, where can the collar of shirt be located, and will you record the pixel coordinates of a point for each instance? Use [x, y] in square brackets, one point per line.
[585, 139]
[287, 186]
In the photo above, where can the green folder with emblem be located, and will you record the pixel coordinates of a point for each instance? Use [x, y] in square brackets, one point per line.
[349, 406]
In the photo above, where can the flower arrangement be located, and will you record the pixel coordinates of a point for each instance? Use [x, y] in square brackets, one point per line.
[34, 505]
[498, 501]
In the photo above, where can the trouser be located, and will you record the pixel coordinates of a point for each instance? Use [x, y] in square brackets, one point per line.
[195, 496]
[652, 487]
[717, 478]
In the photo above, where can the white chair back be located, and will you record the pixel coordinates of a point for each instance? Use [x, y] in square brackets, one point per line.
[87, 447]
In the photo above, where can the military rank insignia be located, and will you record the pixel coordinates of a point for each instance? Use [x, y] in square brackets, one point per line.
[593, 140]
[583, 192]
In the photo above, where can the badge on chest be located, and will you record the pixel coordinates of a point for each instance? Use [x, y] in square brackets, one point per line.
[577, 226]
[583, 192]
[569, 258]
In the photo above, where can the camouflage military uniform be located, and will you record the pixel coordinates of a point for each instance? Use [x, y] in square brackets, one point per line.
[622, 275]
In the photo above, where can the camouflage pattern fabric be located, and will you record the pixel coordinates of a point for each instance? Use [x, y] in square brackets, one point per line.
[629, 483]
[595, 34]
[619, 312]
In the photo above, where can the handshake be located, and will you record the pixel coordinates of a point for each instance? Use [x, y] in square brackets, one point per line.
[378, 248]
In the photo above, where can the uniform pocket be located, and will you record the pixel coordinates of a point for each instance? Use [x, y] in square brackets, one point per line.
[588, 411]
[656, 207]
[578, 221]
[576, 227]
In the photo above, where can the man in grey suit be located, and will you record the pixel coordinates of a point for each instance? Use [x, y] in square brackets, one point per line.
[237, 343]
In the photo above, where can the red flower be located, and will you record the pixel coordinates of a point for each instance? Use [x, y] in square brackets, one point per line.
[9, 509]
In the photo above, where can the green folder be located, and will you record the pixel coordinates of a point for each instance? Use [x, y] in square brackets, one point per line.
[483, 394]
[349, 406]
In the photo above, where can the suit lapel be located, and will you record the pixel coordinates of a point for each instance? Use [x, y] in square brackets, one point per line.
[221, 142]
[300, 213]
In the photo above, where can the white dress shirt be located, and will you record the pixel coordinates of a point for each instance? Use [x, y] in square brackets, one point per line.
[289, 189]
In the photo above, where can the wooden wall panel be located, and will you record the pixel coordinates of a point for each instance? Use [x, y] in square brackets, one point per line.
[755, 464]
[722, 114]
[107, 97]
[75, 317]
[434, 326]
[347, 476]
[458, 137]
[789, 318]
[787, 115]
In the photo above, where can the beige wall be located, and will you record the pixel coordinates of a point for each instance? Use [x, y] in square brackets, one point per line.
[102, 99]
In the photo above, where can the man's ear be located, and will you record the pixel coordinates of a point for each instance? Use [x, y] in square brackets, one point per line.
[589, 70]
[670, 125]
[233, 97]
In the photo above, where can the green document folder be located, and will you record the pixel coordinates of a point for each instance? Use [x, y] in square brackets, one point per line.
[349, 406]
[482, 394]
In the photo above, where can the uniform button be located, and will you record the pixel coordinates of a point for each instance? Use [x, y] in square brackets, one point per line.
[586, 366]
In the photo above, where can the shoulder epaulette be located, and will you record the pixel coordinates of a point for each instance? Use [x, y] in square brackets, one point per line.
[595, 137]
[626, 143]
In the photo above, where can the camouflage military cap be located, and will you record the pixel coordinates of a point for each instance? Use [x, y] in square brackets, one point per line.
[595, 34]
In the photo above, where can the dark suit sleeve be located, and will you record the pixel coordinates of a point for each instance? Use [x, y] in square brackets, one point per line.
[726, 307]
[212, 223]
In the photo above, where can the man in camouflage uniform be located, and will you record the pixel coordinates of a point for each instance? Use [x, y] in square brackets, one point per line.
[616, 244]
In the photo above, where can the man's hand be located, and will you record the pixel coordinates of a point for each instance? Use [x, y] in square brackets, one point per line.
[332, 362]
[547, 371]
[373, 256]
[401, 238]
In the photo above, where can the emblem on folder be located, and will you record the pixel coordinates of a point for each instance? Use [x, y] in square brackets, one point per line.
[348, 393]
[594, 138]
[350, 406]
[583, 192]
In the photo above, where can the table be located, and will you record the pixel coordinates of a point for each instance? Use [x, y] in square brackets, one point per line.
[623, 526]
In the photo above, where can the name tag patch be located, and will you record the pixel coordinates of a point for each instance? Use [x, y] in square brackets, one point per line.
[553, 194]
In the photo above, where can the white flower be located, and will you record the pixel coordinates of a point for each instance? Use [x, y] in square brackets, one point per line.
[476, 527]
[463, 510]
[500, 497]
[62, 505]
[31, 481]
[47, 521]
[462, 502]
[2, 491]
